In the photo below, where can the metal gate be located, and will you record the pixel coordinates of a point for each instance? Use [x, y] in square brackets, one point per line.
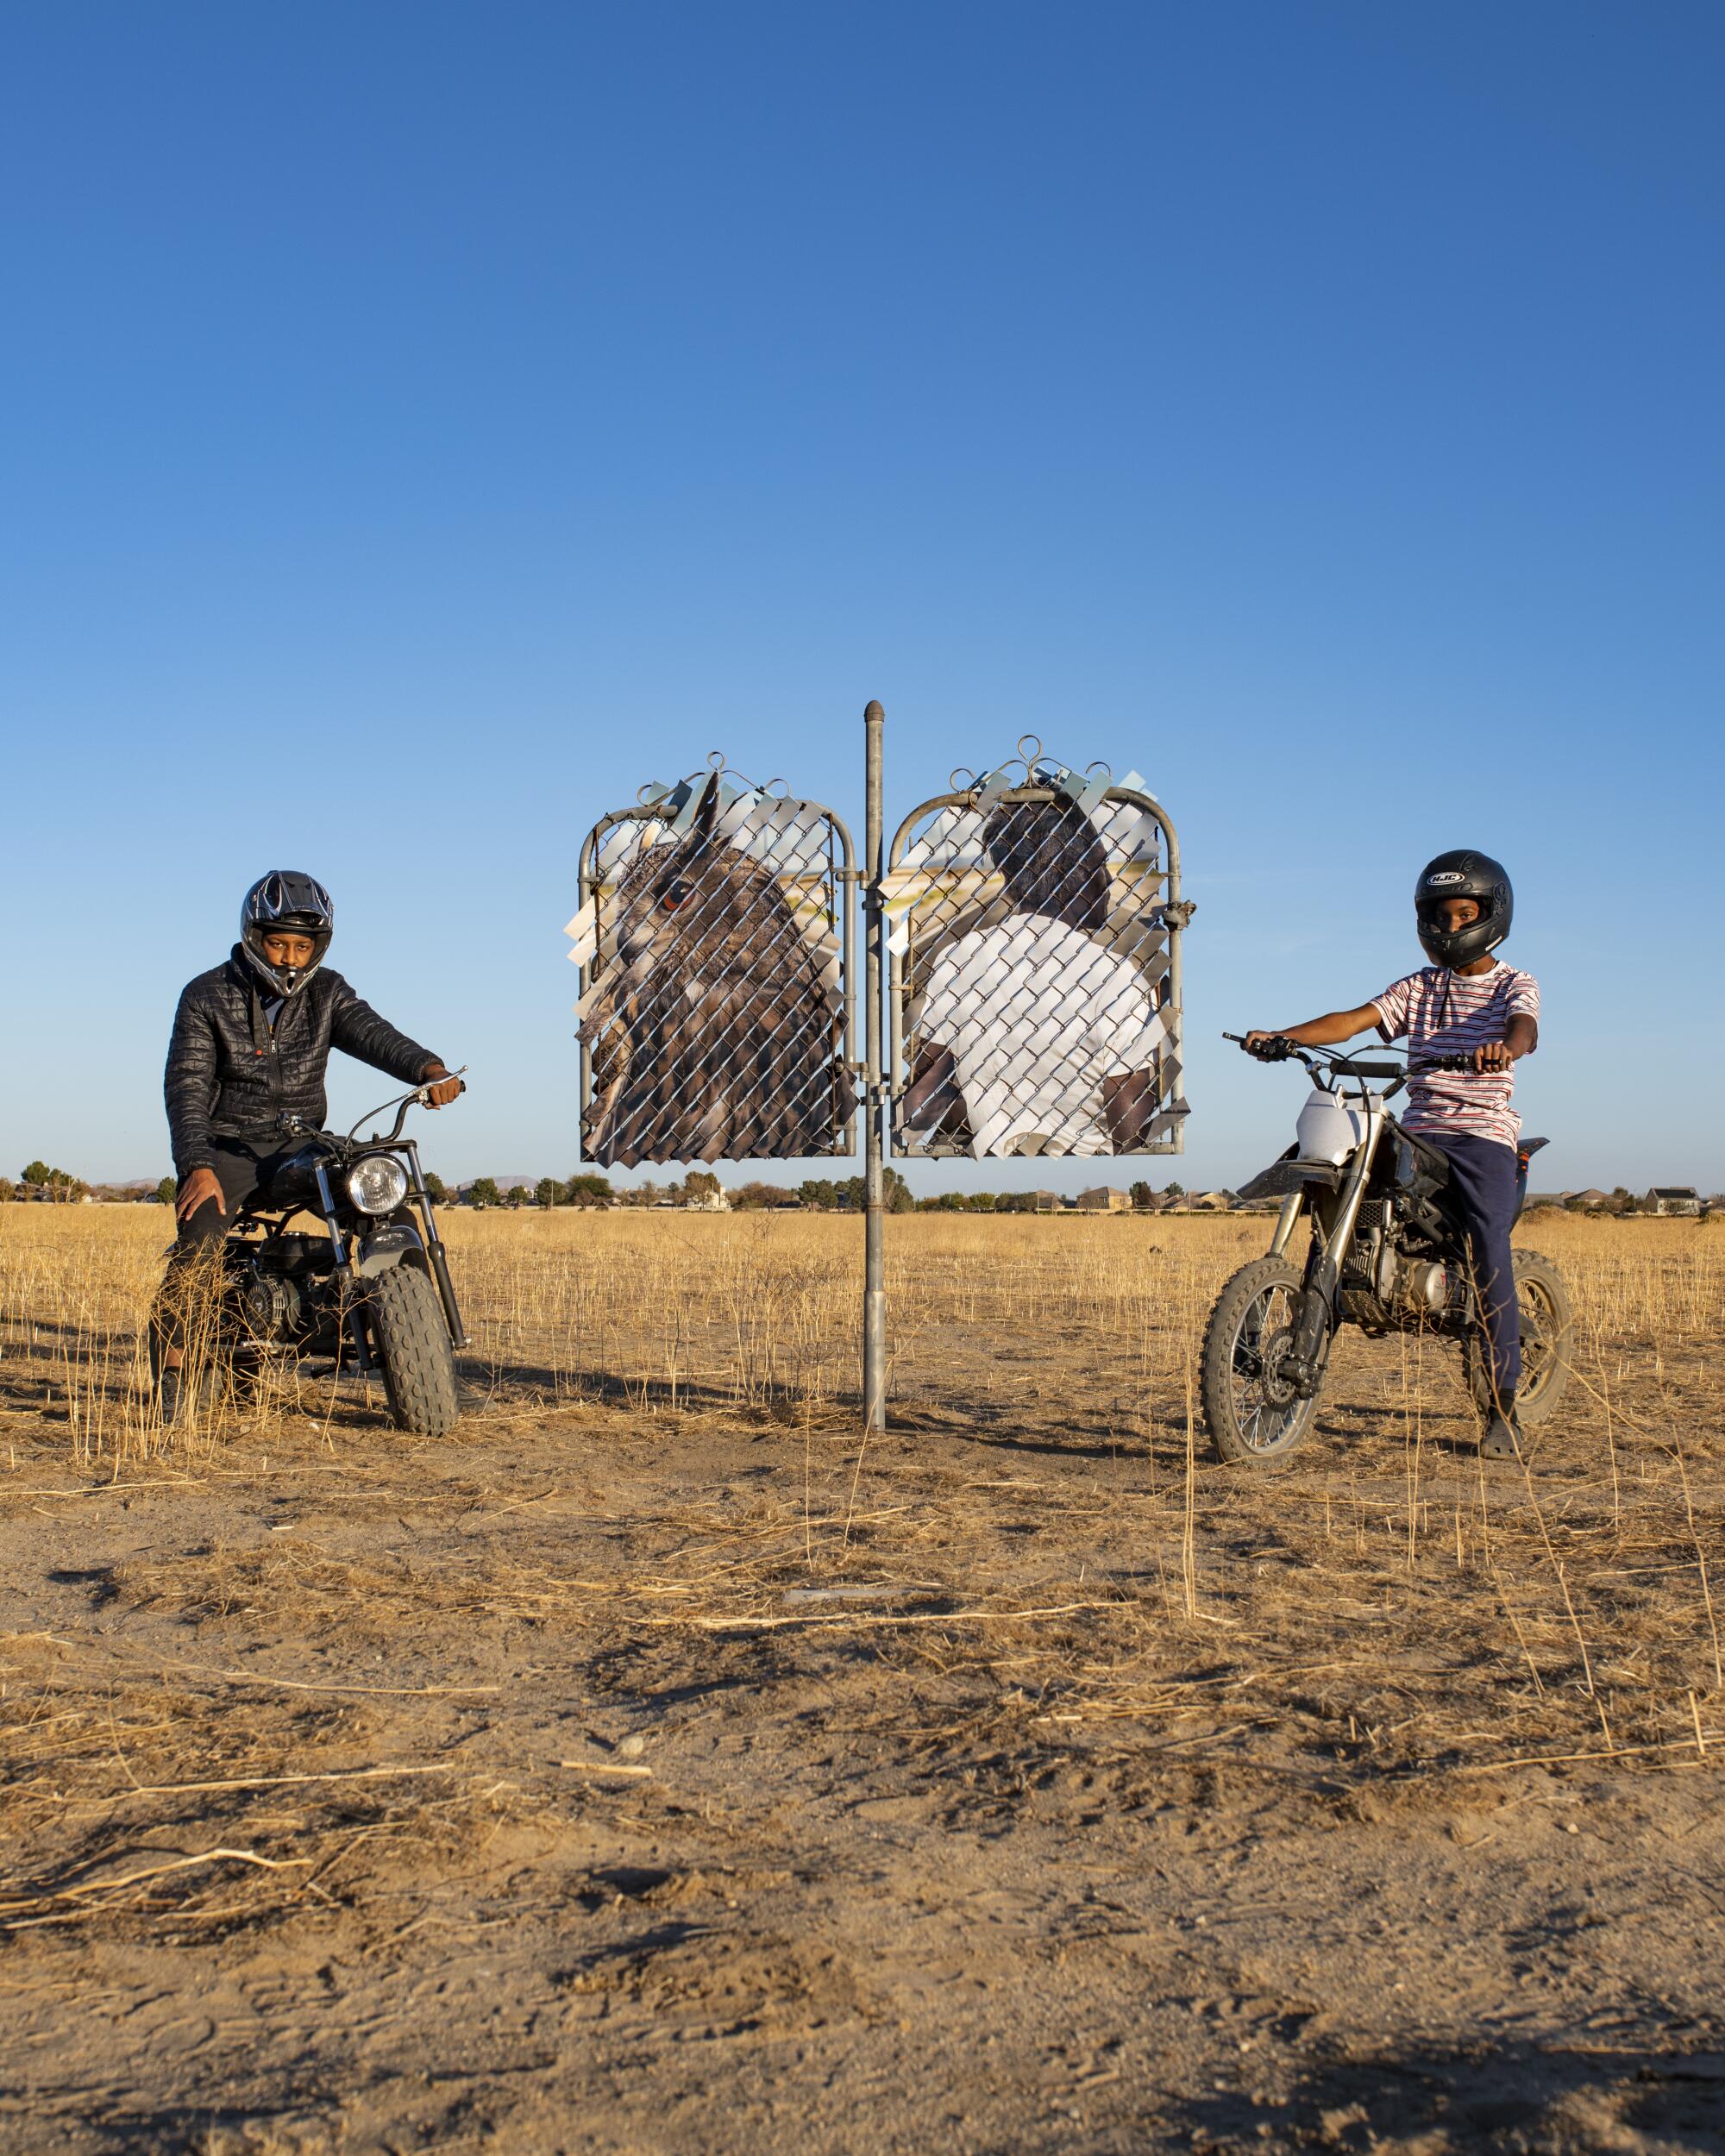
[715, 938]
[1033, 920]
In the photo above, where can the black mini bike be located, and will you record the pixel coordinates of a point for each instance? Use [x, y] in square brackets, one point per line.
[370, 1292]
[1389, 1253]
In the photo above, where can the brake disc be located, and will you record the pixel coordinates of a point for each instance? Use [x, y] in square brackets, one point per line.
[1278, 1391]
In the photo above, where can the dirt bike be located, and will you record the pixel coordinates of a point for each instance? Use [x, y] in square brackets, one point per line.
[1389, 1253]
[371, 1291]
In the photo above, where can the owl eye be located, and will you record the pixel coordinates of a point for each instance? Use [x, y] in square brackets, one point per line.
[675, 895]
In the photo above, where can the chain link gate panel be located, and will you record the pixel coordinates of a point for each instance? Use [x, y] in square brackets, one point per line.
[1034, 923]
[715, 939]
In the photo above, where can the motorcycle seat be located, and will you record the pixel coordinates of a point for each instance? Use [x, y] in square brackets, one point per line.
[1528, 1146]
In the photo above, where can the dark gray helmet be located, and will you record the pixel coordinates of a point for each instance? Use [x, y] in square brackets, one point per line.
[1462, 873]
[286, 902]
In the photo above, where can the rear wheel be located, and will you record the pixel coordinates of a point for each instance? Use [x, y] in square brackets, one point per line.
[413, 1346]
[1254, 1417]
[1547, 1324]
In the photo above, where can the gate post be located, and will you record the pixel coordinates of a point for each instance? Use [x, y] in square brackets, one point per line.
[875, 1091]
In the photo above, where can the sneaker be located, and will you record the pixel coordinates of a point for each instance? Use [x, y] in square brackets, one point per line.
[1502, 1440]
[168, 1395]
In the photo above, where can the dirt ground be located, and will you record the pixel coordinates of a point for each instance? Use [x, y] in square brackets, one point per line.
[613, 1777]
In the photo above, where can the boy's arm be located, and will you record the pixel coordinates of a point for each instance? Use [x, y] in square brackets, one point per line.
[1521, 1038]
[1328, 1031]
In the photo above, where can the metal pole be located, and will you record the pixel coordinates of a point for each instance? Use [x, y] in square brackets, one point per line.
[874, 1109]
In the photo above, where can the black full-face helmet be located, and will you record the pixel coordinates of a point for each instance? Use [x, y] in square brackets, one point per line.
[1462, 873]
[285, 903]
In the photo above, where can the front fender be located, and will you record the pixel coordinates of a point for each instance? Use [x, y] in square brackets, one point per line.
[385, 1247]
[1289, 1174]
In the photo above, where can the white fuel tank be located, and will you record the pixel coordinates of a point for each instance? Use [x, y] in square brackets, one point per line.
[1327, 1130]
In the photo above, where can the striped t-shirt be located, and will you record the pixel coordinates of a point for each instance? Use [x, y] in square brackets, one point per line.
[1446, 1013]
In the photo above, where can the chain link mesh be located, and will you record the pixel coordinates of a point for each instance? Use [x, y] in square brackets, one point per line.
[714, 979]
[1033, 978]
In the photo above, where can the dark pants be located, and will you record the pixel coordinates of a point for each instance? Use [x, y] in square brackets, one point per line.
[241, 1168]
[1482, 1176]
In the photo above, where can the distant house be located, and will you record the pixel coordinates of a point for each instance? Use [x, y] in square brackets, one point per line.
[1587, 1201]
[1103, 1200]
[1050, 1201]
[1672, 1199]
[1211, 1201]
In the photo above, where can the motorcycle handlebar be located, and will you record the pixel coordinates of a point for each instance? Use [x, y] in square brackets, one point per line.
[401, 1105]
[1276, 1047]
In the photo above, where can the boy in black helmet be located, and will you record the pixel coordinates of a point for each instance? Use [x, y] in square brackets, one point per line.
[1465, 1002]
[251, 1039]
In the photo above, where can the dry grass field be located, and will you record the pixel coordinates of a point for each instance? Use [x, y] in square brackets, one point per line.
[654, 1766]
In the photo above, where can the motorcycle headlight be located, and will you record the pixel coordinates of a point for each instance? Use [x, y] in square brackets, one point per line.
[376, 1184]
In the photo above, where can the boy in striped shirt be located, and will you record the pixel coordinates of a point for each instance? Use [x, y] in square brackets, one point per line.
[1465, 1002]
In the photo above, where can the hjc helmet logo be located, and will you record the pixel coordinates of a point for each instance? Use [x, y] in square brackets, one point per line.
[1444, 876]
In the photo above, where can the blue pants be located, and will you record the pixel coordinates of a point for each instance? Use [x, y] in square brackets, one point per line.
[1482, 1175]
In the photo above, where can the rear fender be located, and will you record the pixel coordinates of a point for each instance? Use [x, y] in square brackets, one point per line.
[1524, 1152]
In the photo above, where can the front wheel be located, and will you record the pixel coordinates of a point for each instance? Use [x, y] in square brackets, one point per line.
[414, 1347]
[1547, 1324]
[1253, 1416]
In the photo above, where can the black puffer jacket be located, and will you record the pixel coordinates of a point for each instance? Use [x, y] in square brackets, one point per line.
[228, 1076]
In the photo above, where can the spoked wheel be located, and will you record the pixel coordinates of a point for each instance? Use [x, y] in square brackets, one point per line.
[1546, 1325]
[1254, 1416]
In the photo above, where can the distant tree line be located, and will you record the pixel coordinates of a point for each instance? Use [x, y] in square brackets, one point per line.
[850, 1193]
[51, 1186]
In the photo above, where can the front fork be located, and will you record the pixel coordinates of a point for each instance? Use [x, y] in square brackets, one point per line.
[352, 1332]
[1302, 1366]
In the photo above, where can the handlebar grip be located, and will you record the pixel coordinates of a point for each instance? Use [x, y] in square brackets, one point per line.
[1276, 1047]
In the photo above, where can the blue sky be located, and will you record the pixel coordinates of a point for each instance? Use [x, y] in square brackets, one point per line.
[424, 423]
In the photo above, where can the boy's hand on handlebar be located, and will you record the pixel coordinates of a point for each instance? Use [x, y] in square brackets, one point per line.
[1493, 1055]
[201, 1186]
[440, 1093]
[1269, 1048]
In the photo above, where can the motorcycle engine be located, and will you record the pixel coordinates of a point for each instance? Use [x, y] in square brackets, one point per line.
[1368, 1272]
[1384, 1288]
[1422, 1289]
[273, 1306]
